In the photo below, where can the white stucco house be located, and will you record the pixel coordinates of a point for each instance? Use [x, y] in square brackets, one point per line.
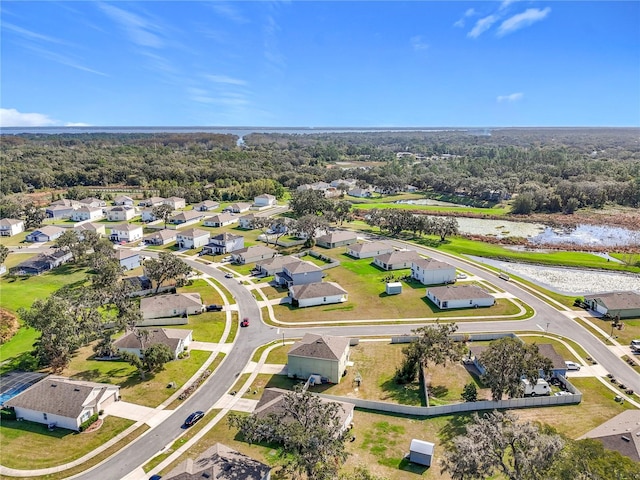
[252, 254]
[192, 238]
[299, 273]
[48, 233]
[224, 243]
[337, 238]
[59, 211]
[62, 402]
[429, 271]
[151, 202]
[123, 200]
[239, 207]
[206, 205]
[171, 305]
[98, 228]
[189, 217]
[87, 213]
[220, 220]
[126, 232]
[121, 213]
[264, 200]
[612, 304]
[460, 296]
[321, 293]
[175, 203]
[161, 237]
[129, 259]
[178, 340]
[11, 226]
[396, 260]
[369, 249]
[323, 355]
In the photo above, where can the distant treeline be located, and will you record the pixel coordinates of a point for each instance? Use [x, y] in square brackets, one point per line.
[551, 169]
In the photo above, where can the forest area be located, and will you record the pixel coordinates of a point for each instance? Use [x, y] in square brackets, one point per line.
[550, 170]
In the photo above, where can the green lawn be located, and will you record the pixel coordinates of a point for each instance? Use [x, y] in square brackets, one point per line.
[207, 327]
[15, 240]
[14, 259]
[208, 294]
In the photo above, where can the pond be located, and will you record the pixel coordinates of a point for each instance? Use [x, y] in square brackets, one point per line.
[569, 281]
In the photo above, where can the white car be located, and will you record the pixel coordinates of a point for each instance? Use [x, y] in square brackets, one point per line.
[461, 276]
[572, 366]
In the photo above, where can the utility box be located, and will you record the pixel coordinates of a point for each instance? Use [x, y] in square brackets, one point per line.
[394, 288]
[421, 452]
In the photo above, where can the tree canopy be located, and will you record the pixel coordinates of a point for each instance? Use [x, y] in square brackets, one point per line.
[166, 267]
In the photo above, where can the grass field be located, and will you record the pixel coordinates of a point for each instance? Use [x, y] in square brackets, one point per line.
[15, 240]
[14, 259]
[208, 294]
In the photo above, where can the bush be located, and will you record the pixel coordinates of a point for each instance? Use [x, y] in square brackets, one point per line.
[470, 393]
[87, 423]
[8, 414]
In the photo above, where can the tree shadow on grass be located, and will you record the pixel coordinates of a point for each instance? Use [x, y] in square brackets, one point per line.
[37, 428]
[408, 394]
[438, 391]
[454, 427]
[24, 361]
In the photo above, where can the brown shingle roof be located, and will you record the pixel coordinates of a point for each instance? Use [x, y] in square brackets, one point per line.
[432, 264]
[326, 347]
[610, 433]
[166, 336]
[123, 253]
[339, 236]
[301, 267]
[398, 257]
[370, 247]
[459, 292]
[193, 232]
[617, 300]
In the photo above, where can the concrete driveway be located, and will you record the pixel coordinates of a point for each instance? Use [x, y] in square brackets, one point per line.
[137, 413]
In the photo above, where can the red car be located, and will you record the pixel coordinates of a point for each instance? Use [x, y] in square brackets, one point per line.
[244, 322]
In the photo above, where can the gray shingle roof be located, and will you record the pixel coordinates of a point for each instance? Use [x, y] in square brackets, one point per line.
[167, 336]
[193, 233]
[459, 292]
[326, 347]
[173, 300]
[339, 236]
[370, 247]
[610, 433]
[432, 264]
[398, 257]
[315, 290]
[301, 267]
[617, 300]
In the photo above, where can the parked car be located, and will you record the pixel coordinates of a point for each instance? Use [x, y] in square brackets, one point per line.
[461, 276]
[214, 308]
[244, 322]
[635, 345]
[228, 275]
[193, 418]
[572, 365]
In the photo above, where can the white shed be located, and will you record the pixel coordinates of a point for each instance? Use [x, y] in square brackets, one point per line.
[421, 452]
[393, 288]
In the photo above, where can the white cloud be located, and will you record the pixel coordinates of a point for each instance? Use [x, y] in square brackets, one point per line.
[470, 12]
[418, 43]
[228, 11]
[10, 117]
[521, 20]
[77, 124]
[512, 97]
[226, 79]
[459, 23]
[482, 26]
[141, 31]
[506, 3]
[28, 34]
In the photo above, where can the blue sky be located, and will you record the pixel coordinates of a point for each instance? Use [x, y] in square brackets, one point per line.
[312, 64]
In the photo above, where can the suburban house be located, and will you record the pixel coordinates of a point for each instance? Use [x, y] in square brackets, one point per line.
[220, 462]
[59, 211]
[246, 221]
[178, 340]
[42, 262]
[224, 243]
[359, 192]
[460, 296]
[192, 238]
[558, 367]
[369, 249]
[252, 254]
[98, 228]
[123, 200]
[93, 202]
[10, 227]
[299, 273]
[264, 200]
[323, 355]
[206, 206]
[121, 214]
[621, 433]
[161, 237]
[87, 213]
[126, 232]
[65, 202]
[47, 233]
[615, 304]
[220, 220]
[336, 239]
[129, 259]
[312, 294]
[187, 218]
[62, 402]
[432, 272]
[271, 266]
[396, 260]
[151, 202]
[346, 183]
[175, 203]
[272, 402]
[171, 305]
[239, 207]
[147, 215]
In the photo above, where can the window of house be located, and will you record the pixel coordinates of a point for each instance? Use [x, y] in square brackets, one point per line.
[45, 416]
[445, 304]
[325, 299]
[470, 302]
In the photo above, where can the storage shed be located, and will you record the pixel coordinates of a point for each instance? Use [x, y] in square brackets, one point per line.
[393, 288]
[421, 452]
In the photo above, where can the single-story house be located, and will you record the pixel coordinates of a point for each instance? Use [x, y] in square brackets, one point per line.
[558, 367]
[369, 249]
[175, 202]
[224, 243]
[359, 192]
[93, 202]
[346, 183]
[65, 202]
[272, 400]
[271, 266]
[239, 207]
[124, 201]
[429, 271]
[264, 200]
[129, 259]
[87, 213]
[206, 206]
[192, 238]
[42, 263]
[620, 304]
[299, 273]
[621, 433]
[460, 296]
[47, 233]
[178, 340]
[336, 239]
[396, 260]
[11, 226]
[126, 232]
[171, 305]
[98, 228]
[323, 355]
[151, 202]
[121, 214]
[312, 294]
[187, 218]
[62, 402]
[421, 452]
[410, 188]
[246, 221]
[220, 220]
[147, 215]
[252, 254]
[161, 237]
[59, 211]
[220, 462]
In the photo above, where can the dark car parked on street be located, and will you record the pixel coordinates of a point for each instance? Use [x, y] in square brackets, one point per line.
[214, 308]
[193, 418]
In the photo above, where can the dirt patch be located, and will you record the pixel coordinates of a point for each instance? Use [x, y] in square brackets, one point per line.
[8, 325]
[94, 426]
